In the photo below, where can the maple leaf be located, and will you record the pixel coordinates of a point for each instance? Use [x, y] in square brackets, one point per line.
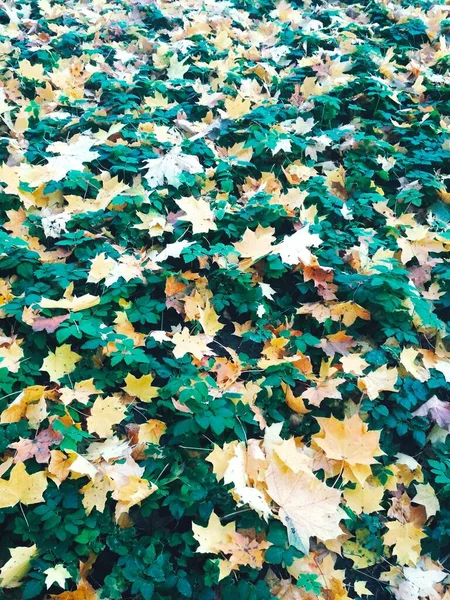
[337, 343]
[308, 507]
[141, 387]
[380, 380]
[39, 447]
[185, 343]
[294, 249]
[81, 392]
[405, 537]
[354, 364]
[56, 575]
[418, 583]
[49, 325]
[323, 389]
[60, 363]
[21, 487]
[15, 569]
[438, 410]
[235, 108]
[59, 466]
[295, 403]
[245, 551]
[350, 444]
[170, 168]
[361, 589]
[129, 488]
[220, 458]
[349, 312]
[407, 360]
[426, 496]
[105, 413]
[84, 591]
[209, 320]
[364, 498]
[151, 431]
[256, 244]
[101, 268]
[198, 213]
[10, 357]
[214, 537]
[95, 494]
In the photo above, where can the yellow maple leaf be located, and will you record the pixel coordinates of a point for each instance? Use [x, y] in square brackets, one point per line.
[426, 496]
[95, 493]
[308, 507]
[237, 107]
[323, 389]
[295, 403]
[220, 458]
[71, 302]
[151, 432]
[57, 574]
[101, 268]
[349, 312]
[198, 213]
[245, 551]
[359, 554]
[10, 357]
[29, 71]
[350, 445]
[21, 487]
[60, 363]
[84, 591]
[59, 466]
[141, 387]
[408, 358]
[19, 407]
[81, 392]
[380, 380]
[209, 320]
[214, 537]
[354, 364]
[15, 569]
[105, 413]
[256, 244]
[364, 498]
[361, 589]
[185, 343]
[135, 490]
[405, 537]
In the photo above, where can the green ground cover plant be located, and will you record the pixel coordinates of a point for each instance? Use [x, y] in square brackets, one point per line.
[224, 300]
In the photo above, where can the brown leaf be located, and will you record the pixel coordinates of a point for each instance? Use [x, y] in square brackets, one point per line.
[49, 325]
[39, 447]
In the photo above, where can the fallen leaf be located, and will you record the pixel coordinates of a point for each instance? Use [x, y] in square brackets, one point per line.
[380, 380]
[185, 343]
[60, 363]
[308, 507]
[56, 575]
[39, 447]
[256, 244]
[405, 539]
[21, 487]
[170, 168]
[350, 444]
[198, 213]
[295, 248]
[426, 496]
[141, 387]
[105, 413]
[15, 569]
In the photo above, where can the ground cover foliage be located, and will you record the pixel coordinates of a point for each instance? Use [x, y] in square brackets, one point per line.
[223, 360]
